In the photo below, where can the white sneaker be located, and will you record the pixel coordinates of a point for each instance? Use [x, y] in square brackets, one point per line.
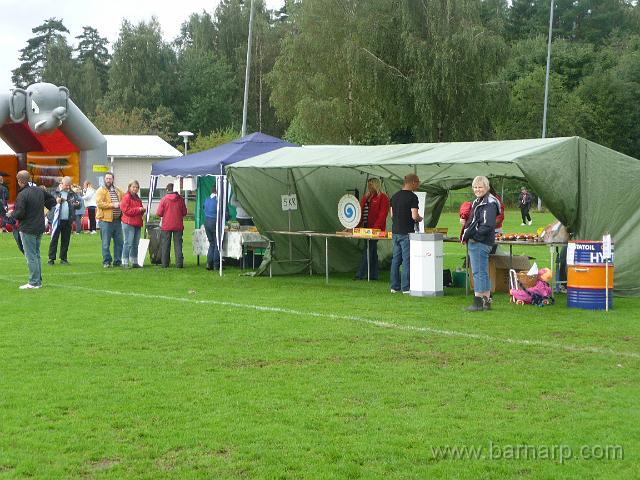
[27, 286]
[530, 222]
[94, 232]
[522, 224]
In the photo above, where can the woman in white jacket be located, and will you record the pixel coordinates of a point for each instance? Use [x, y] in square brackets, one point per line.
[89, 197]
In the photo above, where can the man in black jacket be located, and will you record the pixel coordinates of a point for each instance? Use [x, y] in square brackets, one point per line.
[29, 210]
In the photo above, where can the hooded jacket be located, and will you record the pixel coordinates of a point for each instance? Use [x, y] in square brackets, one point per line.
[131, 206]
[172, 209]
[481, 225]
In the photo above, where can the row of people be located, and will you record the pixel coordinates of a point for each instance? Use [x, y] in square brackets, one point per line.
[480, 221]
[120, 218]
[119, 215]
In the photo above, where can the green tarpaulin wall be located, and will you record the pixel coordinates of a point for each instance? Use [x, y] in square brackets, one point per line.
[202, 193]
[588, 187]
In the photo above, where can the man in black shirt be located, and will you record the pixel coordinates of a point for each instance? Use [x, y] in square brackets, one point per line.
[29, 210]
[404, 213]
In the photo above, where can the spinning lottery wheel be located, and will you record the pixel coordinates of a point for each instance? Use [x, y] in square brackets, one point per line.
[349, 211]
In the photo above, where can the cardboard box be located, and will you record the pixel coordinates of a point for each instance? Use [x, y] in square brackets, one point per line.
[499, 270]
[365, 232]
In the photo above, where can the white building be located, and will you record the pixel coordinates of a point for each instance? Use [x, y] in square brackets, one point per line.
[131, 157]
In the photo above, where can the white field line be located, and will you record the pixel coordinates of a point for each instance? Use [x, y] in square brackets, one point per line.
[43, 256]
[46, 274]
[367, 321]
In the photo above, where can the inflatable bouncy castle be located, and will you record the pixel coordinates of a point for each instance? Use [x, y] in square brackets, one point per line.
[52, 138]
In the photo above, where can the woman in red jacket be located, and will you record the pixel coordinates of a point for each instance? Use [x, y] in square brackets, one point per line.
[132, 212]
[375, 208]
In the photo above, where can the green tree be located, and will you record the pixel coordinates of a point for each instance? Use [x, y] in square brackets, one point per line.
[87, 91]
[336, 79]
[582, 20]
[143, 69]
[93, 48]
[59, 69]
[212, 140]
[34, 56]
[572, 60]
[206, 92]
[197, 34]
[567, 114]
[451, 60]
[136, 121]
[613, 93]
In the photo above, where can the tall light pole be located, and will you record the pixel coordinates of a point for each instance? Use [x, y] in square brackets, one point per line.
[546, 84]
[246, 75]
[185, 137]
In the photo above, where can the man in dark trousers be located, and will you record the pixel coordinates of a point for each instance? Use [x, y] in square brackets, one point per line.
[524, 201]
[68, 201]
[4, 202]
[404, 213]
[29, 210]
[172, 209]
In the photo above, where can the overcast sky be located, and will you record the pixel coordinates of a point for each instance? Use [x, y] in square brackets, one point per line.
[18, 17]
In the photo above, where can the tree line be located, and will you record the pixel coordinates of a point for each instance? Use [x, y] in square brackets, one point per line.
[359, 72]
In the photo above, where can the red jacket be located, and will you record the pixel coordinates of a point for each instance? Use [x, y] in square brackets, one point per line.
[131, 210]
[500, 217]
[465, 211]
[378, 211]
[172, 209]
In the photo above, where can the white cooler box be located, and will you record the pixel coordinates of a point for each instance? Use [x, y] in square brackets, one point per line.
[426, 263]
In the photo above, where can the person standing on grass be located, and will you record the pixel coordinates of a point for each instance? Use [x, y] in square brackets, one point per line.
[210, 227]
[404, 213]
[69, 202]
[375, 208]
[29, 210]
[524, 202]
[89, 197]
[79, 210]
[132, 212]
[172, 209]
[479, 233]
[109, 217]
[4, 203]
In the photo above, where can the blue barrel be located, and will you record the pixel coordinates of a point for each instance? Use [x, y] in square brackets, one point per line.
[588, 276]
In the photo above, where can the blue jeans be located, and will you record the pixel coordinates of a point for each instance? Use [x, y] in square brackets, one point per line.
[31, 244]
[479, 257]
[213, 254]
[79, 223]
[109, 230]
[373, 261]
[400, 257]
[131, 239]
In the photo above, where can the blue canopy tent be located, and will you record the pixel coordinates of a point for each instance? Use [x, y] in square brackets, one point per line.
[212, 163]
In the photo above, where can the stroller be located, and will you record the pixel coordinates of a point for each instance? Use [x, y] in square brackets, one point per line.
[539, 294]
[153, 233]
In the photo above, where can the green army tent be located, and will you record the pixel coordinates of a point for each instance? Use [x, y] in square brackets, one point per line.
[589, 188]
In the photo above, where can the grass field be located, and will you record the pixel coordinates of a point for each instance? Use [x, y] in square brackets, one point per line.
[157, 373]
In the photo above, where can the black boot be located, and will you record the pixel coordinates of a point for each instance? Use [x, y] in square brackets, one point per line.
[486, 303]
[477, 305]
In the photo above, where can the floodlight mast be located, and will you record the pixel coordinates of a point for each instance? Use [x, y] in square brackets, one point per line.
[247, 72]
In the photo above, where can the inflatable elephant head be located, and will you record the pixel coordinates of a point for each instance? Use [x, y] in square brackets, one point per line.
[44, 105]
